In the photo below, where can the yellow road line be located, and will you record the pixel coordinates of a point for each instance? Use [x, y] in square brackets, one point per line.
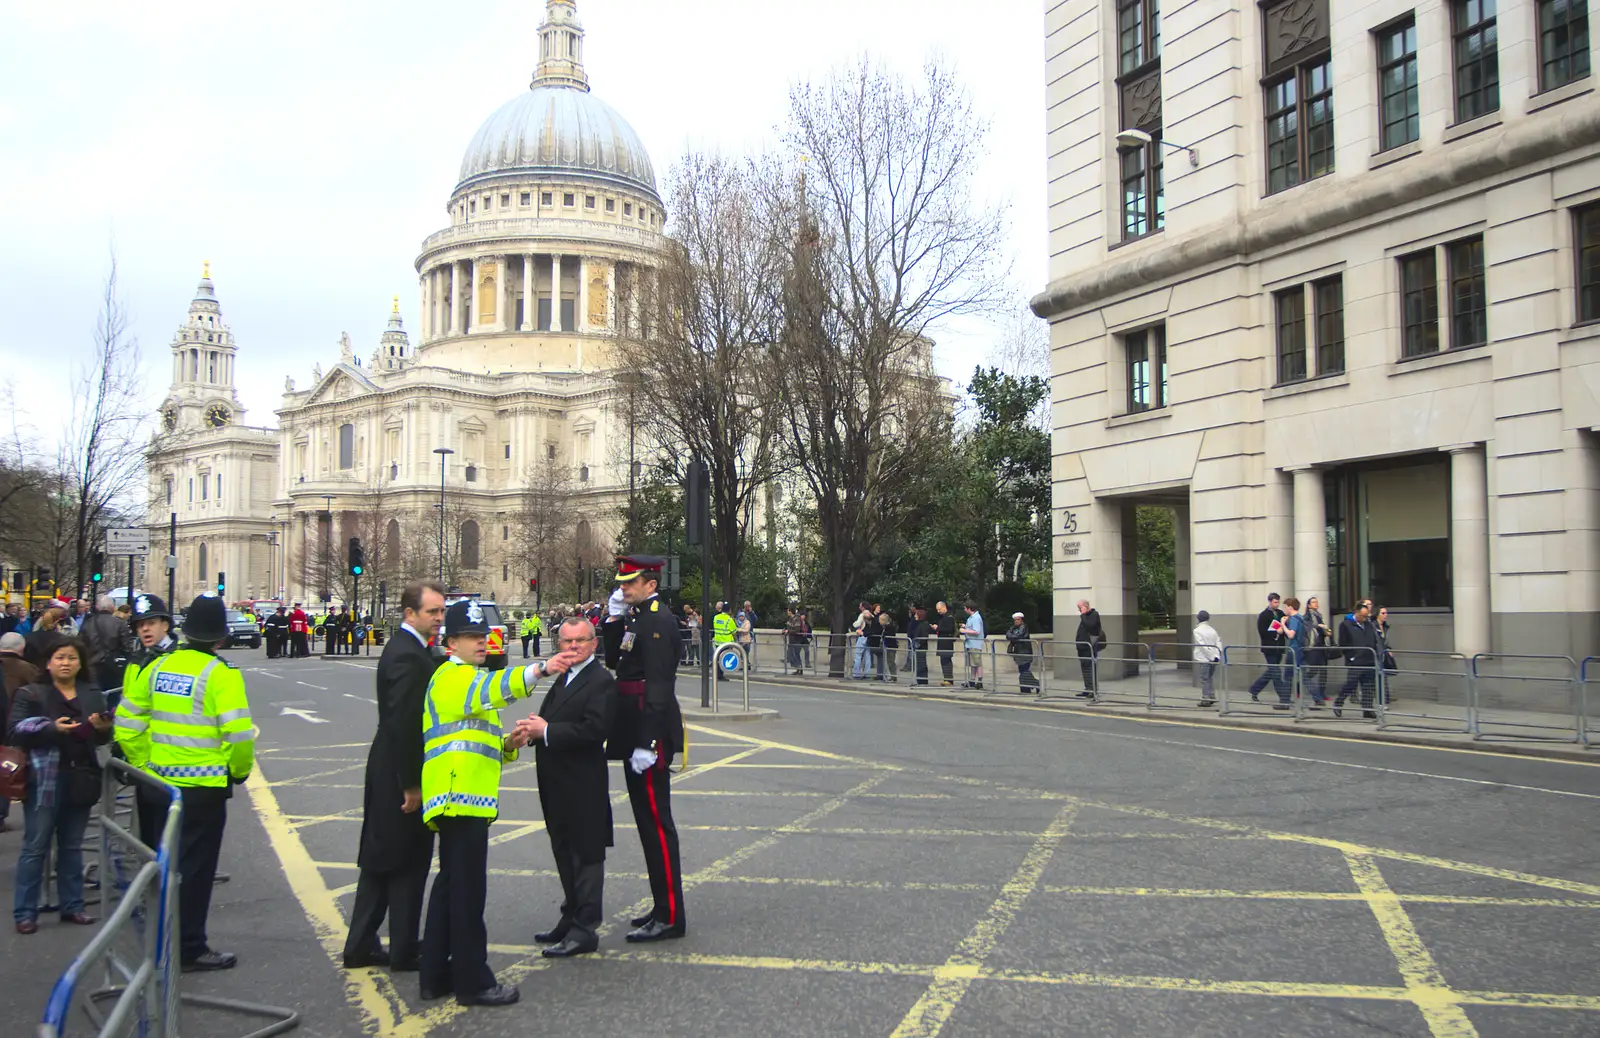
[1425, 984]
[370, 992]
[721, 866]
[769, 744]
[1314, 895]
[298, 780]
[276, 750]
[952, 980]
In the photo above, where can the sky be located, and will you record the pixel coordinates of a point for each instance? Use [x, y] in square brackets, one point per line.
[306, 149]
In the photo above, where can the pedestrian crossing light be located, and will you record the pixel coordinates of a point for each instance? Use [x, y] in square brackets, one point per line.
[358, 557]
[97, 567]
[222, 584]
[533, 583]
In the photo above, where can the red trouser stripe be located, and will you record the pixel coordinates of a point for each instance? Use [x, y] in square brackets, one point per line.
[666, 856]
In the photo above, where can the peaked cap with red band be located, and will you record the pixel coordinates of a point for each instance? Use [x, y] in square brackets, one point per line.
[630, 567]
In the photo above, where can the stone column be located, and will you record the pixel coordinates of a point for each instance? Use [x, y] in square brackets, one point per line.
[1183, 573]
[582, 316]
[555, 292]
[502, 315]
[1310, 539]
[422, 309]
[530, 294]
[1469, 547]
[475, 272]
[1279, 570]
[455, 297]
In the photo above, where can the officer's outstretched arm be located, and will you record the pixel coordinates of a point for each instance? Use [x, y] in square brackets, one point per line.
[133, 716]
[234, 723]
[503, 687]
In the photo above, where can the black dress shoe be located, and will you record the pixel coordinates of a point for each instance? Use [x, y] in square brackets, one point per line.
[499, 995]
[430, 993]
[410, 965]
[641, 920]
[212, 960]
[371, 957]
[555, 935]
[656, 930]
[1371, 715]
[570, 947]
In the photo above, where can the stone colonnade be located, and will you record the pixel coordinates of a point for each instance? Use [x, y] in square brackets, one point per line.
[448, 287]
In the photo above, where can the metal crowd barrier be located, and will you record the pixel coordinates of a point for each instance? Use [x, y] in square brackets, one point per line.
[143, 987]
[1547, 705]
[1427, 691]
[1008, 676]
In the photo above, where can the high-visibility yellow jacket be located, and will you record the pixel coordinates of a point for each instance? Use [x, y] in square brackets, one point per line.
[723, 628]
[186, 720]
[532, 625]
[461, 739]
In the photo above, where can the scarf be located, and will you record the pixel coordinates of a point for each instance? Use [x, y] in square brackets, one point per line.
[43, 761]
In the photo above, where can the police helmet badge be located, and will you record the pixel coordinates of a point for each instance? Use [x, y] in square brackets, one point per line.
[474, 613]
[141, 604]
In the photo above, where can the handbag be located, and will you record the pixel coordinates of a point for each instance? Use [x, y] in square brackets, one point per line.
[80, 787]
[13, 773]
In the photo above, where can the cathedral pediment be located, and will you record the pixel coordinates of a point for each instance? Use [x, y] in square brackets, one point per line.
[342, 382]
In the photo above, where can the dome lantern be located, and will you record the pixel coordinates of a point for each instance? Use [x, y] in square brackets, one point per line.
[560, 48]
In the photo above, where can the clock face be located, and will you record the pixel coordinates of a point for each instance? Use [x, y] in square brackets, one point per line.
[217, 416]
[169, 418]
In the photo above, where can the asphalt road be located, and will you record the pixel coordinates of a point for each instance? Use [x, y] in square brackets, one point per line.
[879, 865]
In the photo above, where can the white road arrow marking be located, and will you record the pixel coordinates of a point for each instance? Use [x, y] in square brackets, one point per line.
[304, 715]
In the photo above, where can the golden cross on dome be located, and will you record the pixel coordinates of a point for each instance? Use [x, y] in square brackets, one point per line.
[396, 305]
[206, 273]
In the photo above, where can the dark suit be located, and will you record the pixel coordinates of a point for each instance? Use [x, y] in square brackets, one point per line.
[396, 848]
[647, 717]
[574, 790]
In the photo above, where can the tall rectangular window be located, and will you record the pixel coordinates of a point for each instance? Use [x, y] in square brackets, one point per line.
[347, 446]
[1138, 33]
[1477, 58]
[1469, 316]
[1563, 42]
[1419, 301]
[205, 486]
[1397, 84]
[1297, 92]
[219, 486]
[1328, 294]
[1588, 250]
[168, 484]
[1144, 204]
[1146, 352]
[1290, 309]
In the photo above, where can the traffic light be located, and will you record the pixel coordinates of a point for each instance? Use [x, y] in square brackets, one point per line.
[533, 583]
[222, 584]
[97, 567]
[358, 557]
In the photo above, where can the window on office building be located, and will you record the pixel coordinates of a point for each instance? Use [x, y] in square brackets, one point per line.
[1588, 253]
[1298, 92]
[1328, 297]
[1419, 304]
[1469, 302]
[1477, 58]
[1397, 84]
[1289, 306]
[1388, 534]
[1146, 354]
[1144, 204]
[1563, 42]
[1138, 33]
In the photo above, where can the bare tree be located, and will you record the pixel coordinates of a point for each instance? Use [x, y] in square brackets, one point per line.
[105, 451]
[886, 240]
[543, 544]
[710, 316]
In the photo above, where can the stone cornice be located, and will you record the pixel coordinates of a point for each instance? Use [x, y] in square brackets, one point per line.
[1308, 211]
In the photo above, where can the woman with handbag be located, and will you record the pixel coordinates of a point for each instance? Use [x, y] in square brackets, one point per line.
[1380, 621]
[59, 722]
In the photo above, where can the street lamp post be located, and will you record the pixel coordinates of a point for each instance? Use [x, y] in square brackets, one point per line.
[327, 550]
[443, 452]
[632, 379]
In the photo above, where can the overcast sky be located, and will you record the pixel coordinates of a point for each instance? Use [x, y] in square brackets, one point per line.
[306, 149]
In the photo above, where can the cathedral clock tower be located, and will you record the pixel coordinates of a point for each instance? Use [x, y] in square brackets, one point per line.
[202, 395]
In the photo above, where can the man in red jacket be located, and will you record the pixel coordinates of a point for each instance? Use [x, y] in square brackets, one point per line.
[299, 627]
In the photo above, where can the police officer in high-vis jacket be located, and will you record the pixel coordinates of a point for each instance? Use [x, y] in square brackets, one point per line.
[463, 749]
[188, 723]
[152, 624]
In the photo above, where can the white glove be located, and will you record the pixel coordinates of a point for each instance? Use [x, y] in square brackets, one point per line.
[642, 761]
[615, 605]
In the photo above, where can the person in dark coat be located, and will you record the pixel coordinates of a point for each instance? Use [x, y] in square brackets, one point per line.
[1269, 630]
[15, 672]
[944, 626]
[1358, 638]
[569, 739]
[396, 846]
[1090, 639]
[111, 645]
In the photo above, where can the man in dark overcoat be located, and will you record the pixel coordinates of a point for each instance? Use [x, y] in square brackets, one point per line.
[569, 739]
[396, 847]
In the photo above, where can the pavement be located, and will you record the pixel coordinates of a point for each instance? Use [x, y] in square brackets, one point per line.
[880, 864]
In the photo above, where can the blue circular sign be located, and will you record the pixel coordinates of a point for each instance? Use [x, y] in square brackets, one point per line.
[728, 660]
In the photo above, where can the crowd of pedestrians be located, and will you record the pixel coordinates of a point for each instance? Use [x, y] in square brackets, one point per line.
[1297, 643]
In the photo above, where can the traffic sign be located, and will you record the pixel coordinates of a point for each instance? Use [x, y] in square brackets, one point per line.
[130, 541]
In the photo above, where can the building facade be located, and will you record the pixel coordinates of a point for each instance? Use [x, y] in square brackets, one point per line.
[210, 473]
[1325, 281]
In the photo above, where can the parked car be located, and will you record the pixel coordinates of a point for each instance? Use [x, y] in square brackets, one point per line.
[242, 631]
[496, 659]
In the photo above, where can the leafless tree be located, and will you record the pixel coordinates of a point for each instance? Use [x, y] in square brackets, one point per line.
[711, 313]
[104, 443]
[885, 240]
[544, 527]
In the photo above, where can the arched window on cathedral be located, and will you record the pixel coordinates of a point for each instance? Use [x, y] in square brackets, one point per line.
[469, 545]
[205, 562]
[391, 544]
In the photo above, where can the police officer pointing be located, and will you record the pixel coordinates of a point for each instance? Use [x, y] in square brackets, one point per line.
[463, 749]
[196, 735]
[646, 732]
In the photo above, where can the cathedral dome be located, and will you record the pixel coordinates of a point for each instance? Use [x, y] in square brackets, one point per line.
[560, 130]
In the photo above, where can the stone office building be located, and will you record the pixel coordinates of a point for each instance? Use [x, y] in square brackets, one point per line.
[1325, 280]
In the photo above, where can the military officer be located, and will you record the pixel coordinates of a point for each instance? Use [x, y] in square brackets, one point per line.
[199, 738]
[463, 749]
[152, 623]
[647, 731]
